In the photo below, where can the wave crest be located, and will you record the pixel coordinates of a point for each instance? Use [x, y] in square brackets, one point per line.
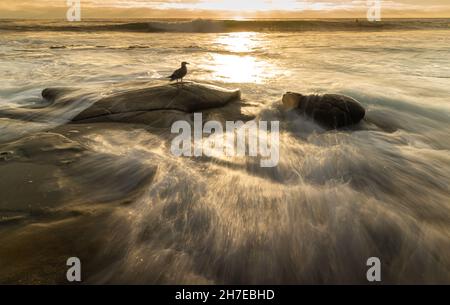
[217, 26]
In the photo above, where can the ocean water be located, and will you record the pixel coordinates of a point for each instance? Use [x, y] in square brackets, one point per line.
[335, 199]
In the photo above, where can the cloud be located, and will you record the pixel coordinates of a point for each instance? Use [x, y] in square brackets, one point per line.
[222, 8]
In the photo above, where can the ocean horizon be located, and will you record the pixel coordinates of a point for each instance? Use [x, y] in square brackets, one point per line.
[200, 25]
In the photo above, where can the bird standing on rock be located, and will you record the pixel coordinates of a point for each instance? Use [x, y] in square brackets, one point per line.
[180, 73]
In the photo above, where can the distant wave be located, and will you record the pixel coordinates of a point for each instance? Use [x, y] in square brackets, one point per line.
[217, 26]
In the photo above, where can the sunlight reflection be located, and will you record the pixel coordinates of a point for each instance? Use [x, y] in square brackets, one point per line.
[238, 42]
[238, 69]
[242, 66]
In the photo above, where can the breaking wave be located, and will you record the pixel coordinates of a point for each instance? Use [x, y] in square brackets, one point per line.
[217, 26]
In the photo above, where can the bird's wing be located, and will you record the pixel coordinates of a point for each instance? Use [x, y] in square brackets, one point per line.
[176, 74]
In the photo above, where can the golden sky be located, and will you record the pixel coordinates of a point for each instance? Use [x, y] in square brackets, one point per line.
[223, 8]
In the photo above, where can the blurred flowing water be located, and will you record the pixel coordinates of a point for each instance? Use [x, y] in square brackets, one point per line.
[335, 199]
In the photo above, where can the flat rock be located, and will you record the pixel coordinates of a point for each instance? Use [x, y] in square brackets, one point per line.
[125, 104]
[331, 111]
[184, 97]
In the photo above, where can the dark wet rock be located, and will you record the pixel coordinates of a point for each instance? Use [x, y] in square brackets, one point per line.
[141, 104]
[58, 105]
[6, 155]
[51, 94]
[185, 97]
[329, 110]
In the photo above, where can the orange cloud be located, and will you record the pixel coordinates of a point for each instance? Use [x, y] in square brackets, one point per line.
[222, 8]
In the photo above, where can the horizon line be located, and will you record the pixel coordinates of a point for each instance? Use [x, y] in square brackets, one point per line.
[227, 19]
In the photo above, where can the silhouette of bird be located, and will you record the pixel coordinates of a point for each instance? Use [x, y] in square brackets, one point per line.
[180, 73]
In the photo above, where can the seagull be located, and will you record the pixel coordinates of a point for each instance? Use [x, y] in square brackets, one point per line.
[180, 73]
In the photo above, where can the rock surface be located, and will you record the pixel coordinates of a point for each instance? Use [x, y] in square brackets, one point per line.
[125, 104]
[330, 110]
[185, 97]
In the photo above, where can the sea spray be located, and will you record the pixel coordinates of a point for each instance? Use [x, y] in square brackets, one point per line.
[231, 141]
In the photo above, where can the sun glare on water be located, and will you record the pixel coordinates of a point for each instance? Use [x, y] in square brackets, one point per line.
[237, 62]
[243, 42]
[237, 69]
